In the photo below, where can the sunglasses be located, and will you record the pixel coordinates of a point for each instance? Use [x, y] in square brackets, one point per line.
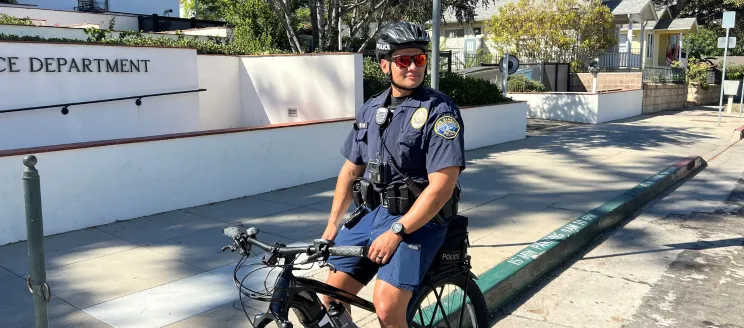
[405, 61]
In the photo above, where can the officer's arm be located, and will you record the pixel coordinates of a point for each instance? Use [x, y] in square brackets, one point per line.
[432, 199]
[445, 159]
[342, 197]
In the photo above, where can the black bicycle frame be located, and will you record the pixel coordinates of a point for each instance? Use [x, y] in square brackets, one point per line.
[301, 293]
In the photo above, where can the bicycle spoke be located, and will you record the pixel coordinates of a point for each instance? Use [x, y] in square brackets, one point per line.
[444, 314]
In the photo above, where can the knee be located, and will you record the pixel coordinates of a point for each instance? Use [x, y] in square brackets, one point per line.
[388, 313]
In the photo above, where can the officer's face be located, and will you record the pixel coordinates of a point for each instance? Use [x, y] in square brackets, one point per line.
[411, 75]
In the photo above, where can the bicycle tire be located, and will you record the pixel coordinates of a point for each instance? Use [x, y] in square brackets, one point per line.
[477, 300]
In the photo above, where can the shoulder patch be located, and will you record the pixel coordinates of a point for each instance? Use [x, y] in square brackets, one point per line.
[447, 127]
[419, 118]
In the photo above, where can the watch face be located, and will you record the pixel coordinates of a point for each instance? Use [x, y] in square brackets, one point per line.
[397, 227]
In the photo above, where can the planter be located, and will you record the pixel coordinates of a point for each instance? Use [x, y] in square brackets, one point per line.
[581, 107]
[494, 124]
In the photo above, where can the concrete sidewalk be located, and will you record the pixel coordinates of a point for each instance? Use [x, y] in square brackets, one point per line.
[167, 269]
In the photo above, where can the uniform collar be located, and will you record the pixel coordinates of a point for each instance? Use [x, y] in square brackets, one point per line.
[413, 101]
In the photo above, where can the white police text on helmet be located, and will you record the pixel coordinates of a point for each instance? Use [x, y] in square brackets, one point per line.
[383, 46]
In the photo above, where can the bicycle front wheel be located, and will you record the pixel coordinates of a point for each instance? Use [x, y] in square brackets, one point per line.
[455, 301]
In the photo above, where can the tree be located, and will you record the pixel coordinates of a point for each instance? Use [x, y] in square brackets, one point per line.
[254, 23]
[327, 16]
[283, 21]
[9, 1]
[709, 15]
[553, 30]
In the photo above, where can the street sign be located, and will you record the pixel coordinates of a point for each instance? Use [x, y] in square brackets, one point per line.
[730, 87]
[731, 42]
[728, 19]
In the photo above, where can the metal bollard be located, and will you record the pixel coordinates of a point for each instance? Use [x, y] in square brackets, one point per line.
[36, 281]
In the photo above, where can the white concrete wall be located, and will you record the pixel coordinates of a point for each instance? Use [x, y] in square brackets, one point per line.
[74, 33]
[571, 107]
[489, 125]
[93, 186]
[146, 7]
[318, 86]
[52, 17]
[168, 70]
[583, 107]
[620, 105]
[220, 106]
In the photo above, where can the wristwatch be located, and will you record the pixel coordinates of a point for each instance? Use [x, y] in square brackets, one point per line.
[399, 229]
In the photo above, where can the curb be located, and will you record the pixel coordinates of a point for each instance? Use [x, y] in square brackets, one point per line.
[507, 280]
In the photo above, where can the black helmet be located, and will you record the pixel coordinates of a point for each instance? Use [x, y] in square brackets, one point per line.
[401, 35]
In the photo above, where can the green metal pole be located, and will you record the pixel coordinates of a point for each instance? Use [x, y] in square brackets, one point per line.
[36, 281]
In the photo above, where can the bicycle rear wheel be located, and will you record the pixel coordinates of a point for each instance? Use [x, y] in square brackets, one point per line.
[443, 299]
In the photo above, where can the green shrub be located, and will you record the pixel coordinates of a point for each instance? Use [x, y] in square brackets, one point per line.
[735, 72]
[520, 83]
[10, 20]
[464, 90]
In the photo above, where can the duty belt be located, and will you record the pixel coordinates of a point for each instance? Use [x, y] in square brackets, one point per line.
[398, 198]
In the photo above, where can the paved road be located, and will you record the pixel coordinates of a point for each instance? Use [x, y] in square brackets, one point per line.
[680, 263]
[166, 270]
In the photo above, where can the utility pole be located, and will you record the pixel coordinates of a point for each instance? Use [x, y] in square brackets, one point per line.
[435, 19]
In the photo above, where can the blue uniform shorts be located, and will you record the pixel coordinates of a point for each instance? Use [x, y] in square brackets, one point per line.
[406, 269]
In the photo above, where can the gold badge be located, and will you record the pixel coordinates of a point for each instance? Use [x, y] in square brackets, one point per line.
[419, 118]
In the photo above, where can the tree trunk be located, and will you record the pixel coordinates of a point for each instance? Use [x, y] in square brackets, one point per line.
[281, 11]
[314, 22]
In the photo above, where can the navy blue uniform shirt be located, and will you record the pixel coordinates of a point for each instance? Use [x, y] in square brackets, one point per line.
[426, 134]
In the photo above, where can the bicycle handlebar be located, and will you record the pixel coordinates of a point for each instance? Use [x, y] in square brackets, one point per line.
[324, 247]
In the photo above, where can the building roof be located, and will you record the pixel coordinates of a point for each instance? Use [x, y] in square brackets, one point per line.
[630, 7]
[676, 24]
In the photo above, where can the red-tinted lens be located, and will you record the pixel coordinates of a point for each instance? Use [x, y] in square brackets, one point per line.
[403, 61]
[420, 60]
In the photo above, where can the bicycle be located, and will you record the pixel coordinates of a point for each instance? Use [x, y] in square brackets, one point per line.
[451, 267]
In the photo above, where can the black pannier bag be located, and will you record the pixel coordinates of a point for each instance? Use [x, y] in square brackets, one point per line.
[455, 245]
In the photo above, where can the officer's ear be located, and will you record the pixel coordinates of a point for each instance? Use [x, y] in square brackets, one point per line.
[384, 65]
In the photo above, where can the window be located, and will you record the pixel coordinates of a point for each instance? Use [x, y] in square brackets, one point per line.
[456, 33]
[650, 45]
[623, 46]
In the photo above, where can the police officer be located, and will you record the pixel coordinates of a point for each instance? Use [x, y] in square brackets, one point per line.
[406, 141]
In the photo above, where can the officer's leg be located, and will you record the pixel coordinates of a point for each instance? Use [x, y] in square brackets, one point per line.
[391, 304]
[401, 276]
[344, 281]
[352, 273]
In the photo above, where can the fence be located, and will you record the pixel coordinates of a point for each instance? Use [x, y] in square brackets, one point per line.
[554, 76]
[462, 60]
[610, 61]
[664, 75]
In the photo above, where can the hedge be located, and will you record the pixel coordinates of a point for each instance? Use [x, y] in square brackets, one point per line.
[464, 90]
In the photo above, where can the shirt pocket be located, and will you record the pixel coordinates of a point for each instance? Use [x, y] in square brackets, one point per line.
[410, 149]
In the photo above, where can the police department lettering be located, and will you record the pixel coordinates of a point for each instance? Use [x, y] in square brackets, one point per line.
[383, 46]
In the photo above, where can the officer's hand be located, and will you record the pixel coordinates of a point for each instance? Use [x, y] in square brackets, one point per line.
[330, 232]
[384, 247]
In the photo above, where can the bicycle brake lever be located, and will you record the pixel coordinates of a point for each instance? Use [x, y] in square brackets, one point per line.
[231, 248]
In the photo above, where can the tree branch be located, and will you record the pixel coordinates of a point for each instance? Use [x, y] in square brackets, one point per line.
[349, 8]
[369, 16]
[377, 30]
